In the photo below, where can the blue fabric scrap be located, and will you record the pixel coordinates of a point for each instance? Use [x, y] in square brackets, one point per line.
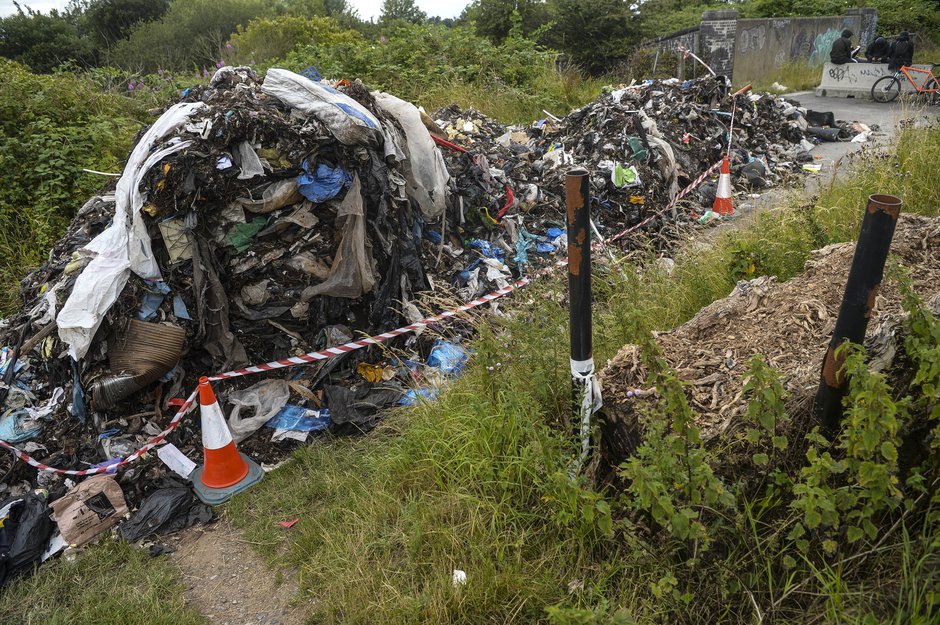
[179, 308]
[325, 183]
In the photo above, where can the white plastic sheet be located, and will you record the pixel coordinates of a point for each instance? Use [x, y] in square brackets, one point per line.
[345, 118]
[125, 245]
[424, 166]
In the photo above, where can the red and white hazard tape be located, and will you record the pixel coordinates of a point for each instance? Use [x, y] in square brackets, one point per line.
[304, 359]
[326, 354]
[669, 206]
[345, 348]
[153, 442]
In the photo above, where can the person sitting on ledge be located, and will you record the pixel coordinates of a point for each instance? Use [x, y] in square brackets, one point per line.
[842, 51]
[902, 52]
[878, 50]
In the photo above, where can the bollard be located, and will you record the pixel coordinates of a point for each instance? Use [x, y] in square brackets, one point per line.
[861, 288]
[579, 300]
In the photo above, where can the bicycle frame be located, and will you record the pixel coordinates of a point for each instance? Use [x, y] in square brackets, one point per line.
[906, 70]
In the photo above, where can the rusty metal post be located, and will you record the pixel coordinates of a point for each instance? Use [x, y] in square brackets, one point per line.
[868, 264]
[577, 196]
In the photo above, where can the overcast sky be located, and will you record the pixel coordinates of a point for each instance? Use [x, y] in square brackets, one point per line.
[367, 8]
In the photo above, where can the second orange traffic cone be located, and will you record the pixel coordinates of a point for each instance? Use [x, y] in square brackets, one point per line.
[225, 471]
[723, 204]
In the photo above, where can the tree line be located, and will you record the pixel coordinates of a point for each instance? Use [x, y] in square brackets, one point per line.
[596, 35]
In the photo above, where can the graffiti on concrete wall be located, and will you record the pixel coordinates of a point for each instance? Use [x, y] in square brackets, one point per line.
[753, 39]
[822, 46]
[854, 73]
[801, 45]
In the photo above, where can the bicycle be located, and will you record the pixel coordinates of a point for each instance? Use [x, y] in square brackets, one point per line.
[888, 88]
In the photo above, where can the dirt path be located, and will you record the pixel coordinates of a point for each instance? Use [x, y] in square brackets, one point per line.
[229, 583]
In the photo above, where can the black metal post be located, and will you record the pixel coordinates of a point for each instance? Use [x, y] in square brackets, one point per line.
[865, 275]
[578, 202]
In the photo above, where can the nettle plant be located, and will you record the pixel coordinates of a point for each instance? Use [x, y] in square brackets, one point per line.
[670, 476]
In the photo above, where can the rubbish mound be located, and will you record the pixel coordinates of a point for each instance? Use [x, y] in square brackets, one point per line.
[641, 143]
[259, 221]
[789, 324]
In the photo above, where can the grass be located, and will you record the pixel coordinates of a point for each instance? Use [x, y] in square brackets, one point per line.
[556, 91]
[795, 75]
[106, 584]
[476, 480]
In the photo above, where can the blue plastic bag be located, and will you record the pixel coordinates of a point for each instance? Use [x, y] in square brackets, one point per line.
[300, 419]
[16, 426]
[414, 396]
[325, 183]
[450, 358]
[488, 250]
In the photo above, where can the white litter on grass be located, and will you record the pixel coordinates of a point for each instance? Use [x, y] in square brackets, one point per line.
[459, 578]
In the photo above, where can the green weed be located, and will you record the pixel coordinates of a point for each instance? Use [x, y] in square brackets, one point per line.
[109, 583]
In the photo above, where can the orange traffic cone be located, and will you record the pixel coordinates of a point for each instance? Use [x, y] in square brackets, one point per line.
[723, 198]
[226, 471]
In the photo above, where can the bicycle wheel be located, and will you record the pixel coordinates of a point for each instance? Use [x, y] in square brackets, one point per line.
[886, 89]
[930, 85]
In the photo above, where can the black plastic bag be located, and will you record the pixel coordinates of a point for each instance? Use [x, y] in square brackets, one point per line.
[164, 511]
[24, 533]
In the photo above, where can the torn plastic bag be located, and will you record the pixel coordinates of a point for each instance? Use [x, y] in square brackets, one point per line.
[25, 528]
[166, 510]
[346, 119]
[248, 162]
[324, 183]
[90, 508]
[352, 272]
[125, 245]
[300, 419]
[264, 399]
[273, 196]
[424, 168]
[17, 426]
[449, 357]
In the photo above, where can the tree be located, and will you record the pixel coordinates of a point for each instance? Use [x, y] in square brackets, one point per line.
[594, 33]
[494, 18]
[192, 33]
[405, 10]
[109, 21]
[43, 42]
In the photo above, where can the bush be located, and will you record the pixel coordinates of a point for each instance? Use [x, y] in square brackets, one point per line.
[267, 39]
[52, 126]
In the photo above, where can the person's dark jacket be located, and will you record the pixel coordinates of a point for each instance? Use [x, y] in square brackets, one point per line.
[878, 49]
[841, 52]
[902, 53]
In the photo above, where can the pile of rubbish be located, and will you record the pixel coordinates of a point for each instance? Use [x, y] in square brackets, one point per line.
[642, 144]
[259, 220]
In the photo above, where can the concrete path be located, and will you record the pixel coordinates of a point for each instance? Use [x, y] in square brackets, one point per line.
[868, 112]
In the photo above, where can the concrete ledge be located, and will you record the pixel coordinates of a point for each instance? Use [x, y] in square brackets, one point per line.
[854, 80]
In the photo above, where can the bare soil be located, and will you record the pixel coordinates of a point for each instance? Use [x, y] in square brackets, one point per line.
[230, 584]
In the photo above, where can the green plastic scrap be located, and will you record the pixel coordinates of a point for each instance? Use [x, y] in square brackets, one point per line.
[639, 152]
[240, 235]
[623, 176]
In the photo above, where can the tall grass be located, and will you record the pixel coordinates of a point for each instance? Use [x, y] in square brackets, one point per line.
[476, 481]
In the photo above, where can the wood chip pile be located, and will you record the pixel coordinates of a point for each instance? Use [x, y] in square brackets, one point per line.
[790, 323]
